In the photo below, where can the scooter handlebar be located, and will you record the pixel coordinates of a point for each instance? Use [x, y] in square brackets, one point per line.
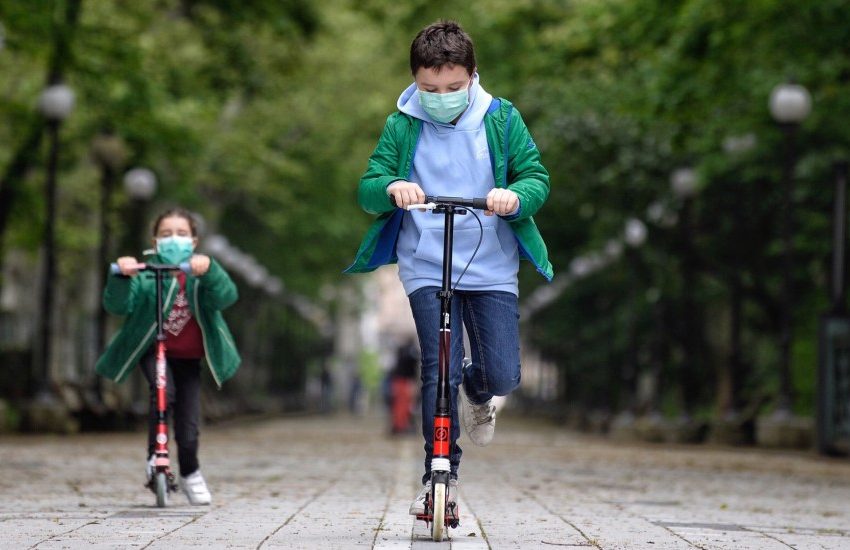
[185, 267]
[478, 203]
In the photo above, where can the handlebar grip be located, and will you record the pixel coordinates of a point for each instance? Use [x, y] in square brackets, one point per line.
[480, 203]
[185, 267]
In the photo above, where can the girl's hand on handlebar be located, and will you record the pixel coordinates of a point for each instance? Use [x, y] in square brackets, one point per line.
[406, 193]
[502, 202]
[128, 266]
[200, 264]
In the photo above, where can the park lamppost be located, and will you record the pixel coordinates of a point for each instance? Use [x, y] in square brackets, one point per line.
[634, 235]
[683, 183]
[732, 374]
[837, 290]
[140, 185]
[55, 104]
[789, 104]
[109, 152]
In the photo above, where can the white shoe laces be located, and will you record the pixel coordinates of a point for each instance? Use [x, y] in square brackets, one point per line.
[484, 413]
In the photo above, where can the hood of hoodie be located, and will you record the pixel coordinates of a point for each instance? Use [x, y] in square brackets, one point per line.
[479, 102]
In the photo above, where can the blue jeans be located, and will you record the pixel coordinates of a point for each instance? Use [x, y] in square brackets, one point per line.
[492, 321]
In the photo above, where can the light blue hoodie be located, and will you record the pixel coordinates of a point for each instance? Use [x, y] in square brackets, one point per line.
[454, 160]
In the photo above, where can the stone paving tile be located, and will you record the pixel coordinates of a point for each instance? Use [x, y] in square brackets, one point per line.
[333, 482]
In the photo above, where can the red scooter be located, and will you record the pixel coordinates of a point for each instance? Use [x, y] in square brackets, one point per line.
[439, 512]
[162, 481]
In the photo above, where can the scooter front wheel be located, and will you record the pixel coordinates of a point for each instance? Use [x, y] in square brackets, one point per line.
[161, 489]
[438, 504]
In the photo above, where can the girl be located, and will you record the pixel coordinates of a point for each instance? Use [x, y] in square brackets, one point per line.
[194, 327]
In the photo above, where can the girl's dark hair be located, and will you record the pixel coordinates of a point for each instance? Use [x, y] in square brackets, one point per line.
[442, 43]
[178, 213]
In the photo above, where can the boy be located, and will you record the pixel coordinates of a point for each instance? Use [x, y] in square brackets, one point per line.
[452, 138]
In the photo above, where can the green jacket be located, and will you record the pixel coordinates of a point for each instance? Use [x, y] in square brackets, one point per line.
[516, 163]
[135, 297]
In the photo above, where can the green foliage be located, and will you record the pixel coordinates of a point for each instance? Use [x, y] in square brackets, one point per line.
[261, 114]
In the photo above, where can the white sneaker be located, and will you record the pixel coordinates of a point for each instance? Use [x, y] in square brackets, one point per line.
[479, 421]
[418, 505]
[196, 489]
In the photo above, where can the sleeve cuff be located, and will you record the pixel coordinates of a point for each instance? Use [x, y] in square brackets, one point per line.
[514, 215]
[387, 188]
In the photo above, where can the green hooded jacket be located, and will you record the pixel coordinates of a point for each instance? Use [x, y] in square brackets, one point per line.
[135, 297]
[514, 158]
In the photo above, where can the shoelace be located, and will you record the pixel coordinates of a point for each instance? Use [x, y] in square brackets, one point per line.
[483, 413]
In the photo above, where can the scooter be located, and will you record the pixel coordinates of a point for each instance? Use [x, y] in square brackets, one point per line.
[163, 480]
[439, 512]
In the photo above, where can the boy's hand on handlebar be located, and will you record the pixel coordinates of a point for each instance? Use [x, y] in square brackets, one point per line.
[406, 193]
[128, 266]
[502, 202]
[200, 264]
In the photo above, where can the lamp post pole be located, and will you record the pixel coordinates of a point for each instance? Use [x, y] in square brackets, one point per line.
[109, 152]
[634, 235]
[837, 292]
[140, 185]
[787, 319]
[789, 104]
[683, 183]
[732, 373]
[55, 105]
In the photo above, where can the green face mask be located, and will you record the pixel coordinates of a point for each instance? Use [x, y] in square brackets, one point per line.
[444, 107]
[175, 250]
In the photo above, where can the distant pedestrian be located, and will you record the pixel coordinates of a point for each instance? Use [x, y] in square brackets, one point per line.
[402, 387]
[195, 330]
[326, 390]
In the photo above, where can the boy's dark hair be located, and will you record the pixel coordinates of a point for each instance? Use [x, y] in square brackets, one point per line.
[176, 212]
[439, 44]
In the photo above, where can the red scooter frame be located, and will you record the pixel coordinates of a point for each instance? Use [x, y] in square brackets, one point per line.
[439, 512]
[163, 480]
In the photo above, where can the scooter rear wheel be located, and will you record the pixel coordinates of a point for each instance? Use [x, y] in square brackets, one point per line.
[438, 503]
[161, 489]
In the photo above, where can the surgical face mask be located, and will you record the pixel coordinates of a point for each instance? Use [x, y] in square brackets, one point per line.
[444, 107]
[175, 250]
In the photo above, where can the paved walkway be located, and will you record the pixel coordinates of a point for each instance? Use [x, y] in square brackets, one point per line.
[327, 483]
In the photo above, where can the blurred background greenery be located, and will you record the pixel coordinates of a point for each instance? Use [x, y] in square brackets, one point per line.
[260, 114]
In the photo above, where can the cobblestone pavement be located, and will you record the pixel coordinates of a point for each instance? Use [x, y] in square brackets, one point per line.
[336, 482]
